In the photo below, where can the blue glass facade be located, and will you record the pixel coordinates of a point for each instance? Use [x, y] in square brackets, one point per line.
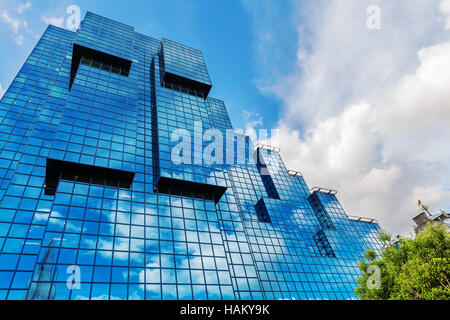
[89, 191]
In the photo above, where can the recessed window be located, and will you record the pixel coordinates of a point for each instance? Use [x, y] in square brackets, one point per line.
[190, 189]
[105, 66]
[323, 244]
[63, 170]
[320, 211]
[180, 88]
[99, 60]
[262, 212]
[268, 183]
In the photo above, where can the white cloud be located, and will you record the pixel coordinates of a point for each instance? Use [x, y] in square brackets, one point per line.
[24, 6]
[252, 120]
[51, 19]
[345, 62]
[20, 39]
[445, 9]
[14, 24]
[372, 105]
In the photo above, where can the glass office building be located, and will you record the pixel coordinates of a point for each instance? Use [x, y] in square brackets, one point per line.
[92, 205]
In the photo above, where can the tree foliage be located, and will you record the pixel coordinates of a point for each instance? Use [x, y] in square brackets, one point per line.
[410, 269]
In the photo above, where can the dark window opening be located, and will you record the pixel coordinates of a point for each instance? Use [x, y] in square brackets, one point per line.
[105, 66]
[320, 211]
[190, 86]
[268, 183]
[178, 87]
[99, 60]
[62, 170]
[190, 189]
[154, 116]
[262, 212]
[324, 245]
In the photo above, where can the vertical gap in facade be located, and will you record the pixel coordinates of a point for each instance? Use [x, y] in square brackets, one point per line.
[320, 211]
[155, 139]
[269, 185]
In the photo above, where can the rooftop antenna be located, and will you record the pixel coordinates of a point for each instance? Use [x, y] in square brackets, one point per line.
[423, 208]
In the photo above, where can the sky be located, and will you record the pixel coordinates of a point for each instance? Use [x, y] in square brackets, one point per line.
[360, 109]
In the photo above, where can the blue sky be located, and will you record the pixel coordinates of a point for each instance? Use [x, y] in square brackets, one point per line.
[361, 110]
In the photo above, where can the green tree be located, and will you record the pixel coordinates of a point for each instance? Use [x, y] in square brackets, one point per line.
[410, 269]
